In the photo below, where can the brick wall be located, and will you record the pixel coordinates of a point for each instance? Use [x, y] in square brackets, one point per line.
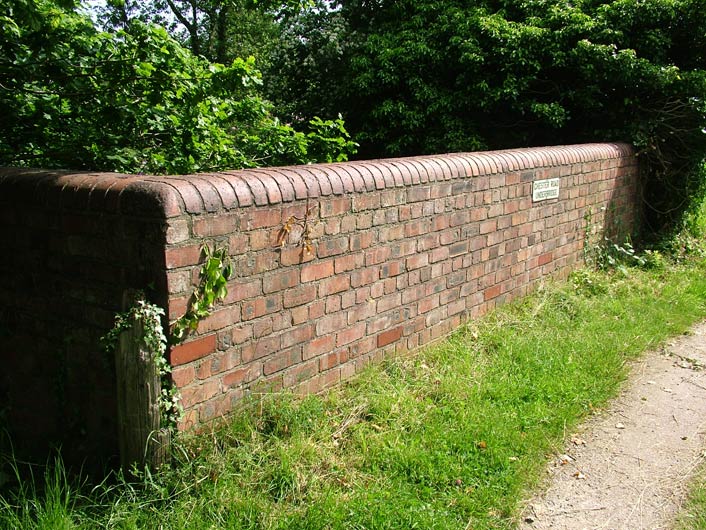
[404, 250]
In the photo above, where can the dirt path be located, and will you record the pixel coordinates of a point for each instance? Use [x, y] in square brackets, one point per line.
[627, 468]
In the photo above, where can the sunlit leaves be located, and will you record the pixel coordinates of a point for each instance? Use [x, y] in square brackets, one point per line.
[436, 76]
[137, 101]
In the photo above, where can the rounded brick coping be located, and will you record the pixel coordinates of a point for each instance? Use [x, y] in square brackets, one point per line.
[172, 196]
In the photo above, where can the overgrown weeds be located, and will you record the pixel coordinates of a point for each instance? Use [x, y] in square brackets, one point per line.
[452, 437]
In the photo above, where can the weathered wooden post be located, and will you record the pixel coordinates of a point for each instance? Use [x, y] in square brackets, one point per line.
[142, 442]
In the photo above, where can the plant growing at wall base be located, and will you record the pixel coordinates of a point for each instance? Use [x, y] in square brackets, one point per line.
[214, 275]
[155, 342]
[603, 253]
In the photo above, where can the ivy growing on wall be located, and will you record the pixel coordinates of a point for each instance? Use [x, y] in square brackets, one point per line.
[212, 288]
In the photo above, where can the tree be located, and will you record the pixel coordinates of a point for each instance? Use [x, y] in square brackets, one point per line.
[308, 67]
[219, 30]
[137, 101]
[422, 76]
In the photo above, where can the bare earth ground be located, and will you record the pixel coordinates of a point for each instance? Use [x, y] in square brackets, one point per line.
[628, 467]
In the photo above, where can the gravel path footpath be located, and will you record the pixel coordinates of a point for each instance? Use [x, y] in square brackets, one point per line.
[628, 467]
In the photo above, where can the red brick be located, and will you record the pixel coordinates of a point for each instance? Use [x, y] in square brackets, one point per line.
[347, 263]
[265, 260]
[417, 194]
[261, 348]
[350, 335]
[366, 201]
[332, 360]
[488, 226]
[261, 306]
[511, 207]
[242, 375]
[295, 255]
[179, 281]
[331, 323]
[428, 242]
[361, 241]
[220, 319]
[300, 372]
[335, 207]
[215, 408]
[177, 231]
[297, 335]
[417, 228]
[183, 375]
[238, 243]
[178, 307]
[323, 381]
[335, 284]
[217, 363]
[215, 226]
[394, 268]
[182, 256]
[317, 271]
[361, 311]
[195, 394]
[458, 248]
[492, 292]
[428, 304]
[333, 247]
[364, 276]
[377, 255]
[300, 315]
[439, 254]
[262, 218]
[260, 239]
[440, 222]
[544, 259]
[332, 227]
[300, 295]
[280, 280]
[281, 360]
[391, 233]
[390, 336]
[389, 302]
[460, 218]
[417, 261]
[317, 309]
[242, 290]
[192, 350]
[318, 346]
[403, 248]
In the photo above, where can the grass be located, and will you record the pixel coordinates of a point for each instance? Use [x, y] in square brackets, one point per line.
[453, 437]
[693, 513]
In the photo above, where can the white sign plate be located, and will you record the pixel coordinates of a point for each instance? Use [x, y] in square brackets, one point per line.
[545, 189]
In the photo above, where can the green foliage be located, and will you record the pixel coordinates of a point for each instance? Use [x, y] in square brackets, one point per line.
[47, 506]
[136, 101]
[415, 77]
[214, 275]
[219, 30]
[307, 72]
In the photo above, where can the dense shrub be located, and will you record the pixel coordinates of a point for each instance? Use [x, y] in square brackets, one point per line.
[136, 100]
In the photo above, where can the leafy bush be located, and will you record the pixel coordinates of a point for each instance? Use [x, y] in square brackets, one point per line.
[426, 76]
[136, 101]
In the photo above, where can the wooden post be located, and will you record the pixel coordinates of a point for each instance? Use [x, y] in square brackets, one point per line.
[142, 442]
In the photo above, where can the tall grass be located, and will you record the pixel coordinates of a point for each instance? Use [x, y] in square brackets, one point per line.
[44, 505]
[452, 437]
